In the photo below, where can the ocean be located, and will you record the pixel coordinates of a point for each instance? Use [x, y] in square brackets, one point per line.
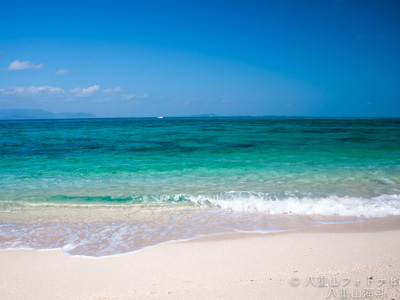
[99, 187]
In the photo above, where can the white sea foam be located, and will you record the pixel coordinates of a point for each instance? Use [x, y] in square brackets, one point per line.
[381, 206]
[246, 202]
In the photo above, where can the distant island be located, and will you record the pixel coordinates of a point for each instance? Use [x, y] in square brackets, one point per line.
[37, 114]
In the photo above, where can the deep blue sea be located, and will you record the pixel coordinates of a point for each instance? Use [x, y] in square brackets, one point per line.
[106, 186]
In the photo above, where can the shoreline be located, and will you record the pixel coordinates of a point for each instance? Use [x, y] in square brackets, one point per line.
[301, 226]
[223, 266]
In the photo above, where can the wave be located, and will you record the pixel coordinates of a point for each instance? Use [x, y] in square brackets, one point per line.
[235, 201]
[108, 228]
[380, 206]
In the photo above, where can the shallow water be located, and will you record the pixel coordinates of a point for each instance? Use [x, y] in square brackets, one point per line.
[105, 186]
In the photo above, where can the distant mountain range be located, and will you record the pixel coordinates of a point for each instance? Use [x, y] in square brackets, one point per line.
[29, 114]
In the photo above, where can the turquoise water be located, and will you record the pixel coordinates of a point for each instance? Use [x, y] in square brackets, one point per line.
[106, 186]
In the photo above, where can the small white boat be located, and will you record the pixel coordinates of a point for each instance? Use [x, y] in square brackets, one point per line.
[160, 117]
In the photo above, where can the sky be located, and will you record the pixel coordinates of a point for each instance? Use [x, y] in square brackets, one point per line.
[338, 58]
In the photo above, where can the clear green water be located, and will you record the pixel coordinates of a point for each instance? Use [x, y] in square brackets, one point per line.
[184, 173]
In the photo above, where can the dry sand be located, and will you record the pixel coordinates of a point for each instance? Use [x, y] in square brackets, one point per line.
[229, 266]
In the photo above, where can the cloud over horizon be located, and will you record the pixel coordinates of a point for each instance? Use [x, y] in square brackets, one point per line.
[82, 92]
[50, 91]
[91, 99]
[113, 90]
[17, 65]
[31, 90]
[62, 72]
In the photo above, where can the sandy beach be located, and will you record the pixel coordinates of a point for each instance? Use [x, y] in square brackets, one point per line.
[199, 150]
[327, 261]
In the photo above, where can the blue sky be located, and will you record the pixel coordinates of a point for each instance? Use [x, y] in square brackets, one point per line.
[175, 58]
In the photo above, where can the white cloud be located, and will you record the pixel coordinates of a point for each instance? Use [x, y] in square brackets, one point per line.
[31, 90]
[82, 92]
[23, 65]
[128, 97]
[131, 96]
[91, 94]
[114, 90]
[61, 72]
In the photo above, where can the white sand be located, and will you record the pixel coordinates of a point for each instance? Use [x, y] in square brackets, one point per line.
[230, 266]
